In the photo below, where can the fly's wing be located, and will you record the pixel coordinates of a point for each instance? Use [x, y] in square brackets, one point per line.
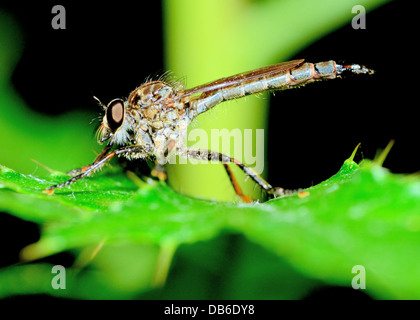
[238, 79]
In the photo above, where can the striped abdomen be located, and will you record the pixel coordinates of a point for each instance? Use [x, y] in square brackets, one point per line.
[261, 80]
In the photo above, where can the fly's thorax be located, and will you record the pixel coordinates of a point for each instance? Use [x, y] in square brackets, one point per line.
[155, 105]
[151, 94]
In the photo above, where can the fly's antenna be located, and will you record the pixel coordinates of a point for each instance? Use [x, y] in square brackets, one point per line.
[100, 103]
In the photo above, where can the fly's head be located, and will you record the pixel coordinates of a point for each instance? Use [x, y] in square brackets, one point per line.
[116, 126]
[135, 121]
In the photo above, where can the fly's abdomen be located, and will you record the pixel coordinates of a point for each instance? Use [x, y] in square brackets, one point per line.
[309, 72]
[251, 83]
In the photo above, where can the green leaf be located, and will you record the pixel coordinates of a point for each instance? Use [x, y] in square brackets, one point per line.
[360, 216]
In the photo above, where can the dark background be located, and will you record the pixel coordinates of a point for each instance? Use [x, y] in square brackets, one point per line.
[314, 129]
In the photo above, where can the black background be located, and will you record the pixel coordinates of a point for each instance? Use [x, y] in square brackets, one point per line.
[311, 131]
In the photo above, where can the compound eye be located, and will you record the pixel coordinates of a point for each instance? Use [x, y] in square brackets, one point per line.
[115, 114]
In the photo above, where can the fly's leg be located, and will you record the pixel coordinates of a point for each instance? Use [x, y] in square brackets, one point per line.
[158, 170]
[96, 165]
[97, 159]
[87, 170]
[225, 159]
[236, 186]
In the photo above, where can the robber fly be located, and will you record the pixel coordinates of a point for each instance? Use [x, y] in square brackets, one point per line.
[152, 123]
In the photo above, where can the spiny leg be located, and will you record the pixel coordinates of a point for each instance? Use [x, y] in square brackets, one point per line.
[213, 155]
[236, 186]
[97, 159]
[94, 166]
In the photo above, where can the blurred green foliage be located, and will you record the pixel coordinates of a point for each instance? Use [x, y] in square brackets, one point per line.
[29, 135]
